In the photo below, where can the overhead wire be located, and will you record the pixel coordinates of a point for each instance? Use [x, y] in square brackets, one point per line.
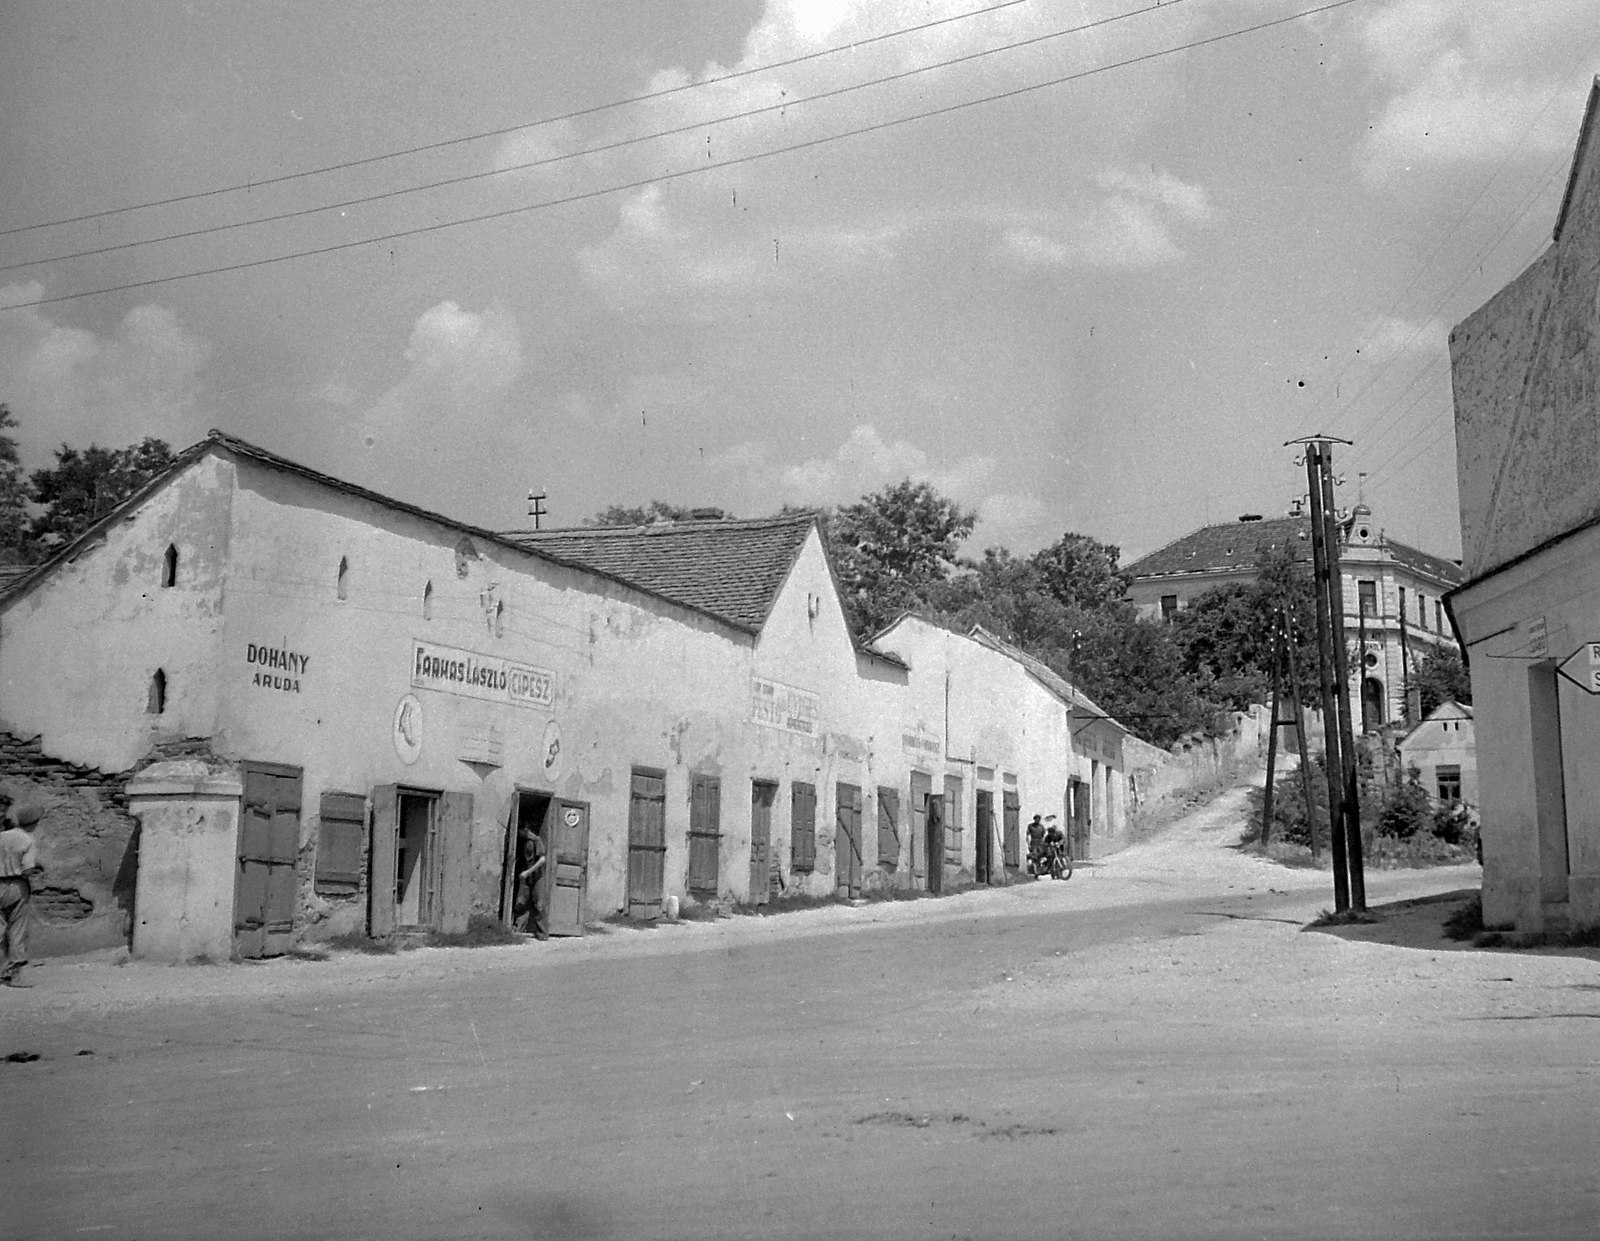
[697, 170]
[502, 131]
[599, 149]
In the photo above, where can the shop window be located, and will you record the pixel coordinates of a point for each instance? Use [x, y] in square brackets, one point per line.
[156, 704]
[888, 828]
[341, 832]
[427, 602]
[803, 826]
[344, 578]
[169, 566]
[705, 833]
[1449, 781]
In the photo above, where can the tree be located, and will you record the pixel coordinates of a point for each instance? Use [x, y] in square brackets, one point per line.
[892, 548]
[85, 485]
[656, 510]
[1440, 677]
[16, 545]
[1082, 571]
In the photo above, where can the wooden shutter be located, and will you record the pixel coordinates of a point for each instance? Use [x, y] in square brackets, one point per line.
[267, 886]
[453, 835]
[1012, 812]
[381, 860]
[847, 838]
[762, 795]
[647, 843]
[341, 833]
[705, 830]
[888, 828]
[569, 827]
[921, 786]
[952, 821]
[803, 826]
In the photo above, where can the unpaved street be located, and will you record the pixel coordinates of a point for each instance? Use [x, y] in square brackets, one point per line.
[1154, 1048]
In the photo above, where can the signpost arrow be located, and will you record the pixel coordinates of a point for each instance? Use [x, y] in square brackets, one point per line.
[1582, 667]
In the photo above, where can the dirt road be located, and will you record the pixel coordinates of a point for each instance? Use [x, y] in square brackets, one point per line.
[1153, 1049]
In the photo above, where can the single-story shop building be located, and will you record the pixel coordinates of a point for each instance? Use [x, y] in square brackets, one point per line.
[332, 710]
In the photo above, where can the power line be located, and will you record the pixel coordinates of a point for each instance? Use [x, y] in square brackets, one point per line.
[511, 129]
[600, 149]
[699, 169]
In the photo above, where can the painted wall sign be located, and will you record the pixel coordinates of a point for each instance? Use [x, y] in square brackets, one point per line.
[1582, 667]
[550, 751]
[783, 706]
[277, 667]
[917, 740]
[480, 676]
[408, 729]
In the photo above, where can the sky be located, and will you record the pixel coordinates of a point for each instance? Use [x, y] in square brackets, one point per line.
[1090, 265]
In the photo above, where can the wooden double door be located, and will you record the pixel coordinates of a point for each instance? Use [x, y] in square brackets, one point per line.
[266, 883]
[562, 887]
[419, 864]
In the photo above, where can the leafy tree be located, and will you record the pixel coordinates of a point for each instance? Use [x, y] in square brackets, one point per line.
[85, 485]
[656, 510]
[892, 548]
[1440, 677]
[16, 545]
[1082, 571]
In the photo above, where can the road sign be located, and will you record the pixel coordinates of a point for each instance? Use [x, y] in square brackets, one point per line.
[1582, 667]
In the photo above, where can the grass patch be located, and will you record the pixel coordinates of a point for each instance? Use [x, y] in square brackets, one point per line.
[482, 932]
[622, 922]
[360, 941]
[1589, 937]
[700, 911]
[876, 895]
[307, 952]
[1465, 921]
[790, 904]
[1345, 917]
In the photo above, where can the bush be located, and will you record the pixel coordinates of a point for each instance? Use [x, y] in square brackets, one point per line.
[1407, 811]
[1289, 825]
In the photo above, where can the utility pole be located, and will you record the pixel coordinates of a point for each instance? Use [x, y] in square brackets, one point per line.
[1272, 736]
[1300, 733]
[1331, 732]
[536, 508]
[1351, 802]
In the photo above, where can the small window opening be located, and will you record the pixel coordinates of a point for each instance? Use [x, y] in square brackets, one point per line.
[169, 566]
[344, 578]
[500, 619]
[427, 602]
[157, 702]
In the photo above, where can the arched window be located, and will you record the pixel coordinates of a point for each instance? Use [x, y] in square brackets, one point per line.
[427, 602]
[344, 578]
[169, 566]
[500, 619]
[156, 704]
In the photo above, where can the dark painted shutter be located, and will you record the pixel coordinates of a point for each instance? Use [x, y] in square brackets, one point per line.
[705, 829]
[803, 827]
[381, 860]
[888, 828]
[647, 843]
[1013, 831]
[267, 886]
[341, 833]
[453, 835]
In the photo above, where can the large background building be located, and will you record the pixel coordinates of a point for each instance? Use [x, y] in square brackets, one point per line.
[1393, 594]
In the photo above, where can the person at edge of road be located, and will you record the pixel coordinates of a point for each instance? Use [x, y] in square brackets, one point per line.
[528, 914]
[19, 863]
[1054, 837]
[1035, 837]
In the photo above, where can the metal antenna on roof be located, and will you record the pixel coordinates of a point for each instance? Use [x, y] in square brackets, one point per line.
[536, 508]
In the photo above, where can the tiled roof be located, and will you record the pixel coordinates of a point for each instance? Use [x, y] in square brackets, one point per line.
[1237, 546]
[1234, 545]
[731, 569]
[1070, 694]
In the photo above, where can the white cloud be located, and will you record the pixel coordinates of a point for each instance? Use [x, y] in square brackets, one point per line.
[66, 383]
[459, 364]
[1473, 83]
[1391, 335]
[1134, 222]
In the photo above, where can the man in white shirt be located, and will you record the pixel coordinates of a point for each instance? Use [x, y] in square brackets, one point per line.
[19, 863]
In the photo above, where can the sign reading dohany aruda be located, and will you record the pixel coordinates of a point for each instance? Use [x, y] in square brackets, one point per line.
[783, 706]
[480, 676]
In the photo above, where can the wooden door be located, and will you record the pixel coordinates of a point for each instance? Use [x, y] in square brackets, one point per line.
[1078, 832]
[1012, 810]
[983, 863]
[647, 844]
[762, 797]
[847, 840]
[705, 834]
[568, 841]
[266, 884]
[381, 860]
[888, 829]
[935, 843]
[452, 845]
[921, 786]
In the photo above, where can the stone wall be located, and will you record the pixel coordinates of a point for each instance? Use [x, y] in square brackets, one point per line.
[88, 845]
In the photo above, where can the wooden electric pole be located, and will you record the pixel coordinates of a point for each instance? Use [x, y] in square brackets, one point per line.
[1351, 802]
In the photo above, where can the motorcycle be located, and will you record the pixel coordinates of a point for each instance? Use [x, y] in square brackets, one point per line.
[1050, 858]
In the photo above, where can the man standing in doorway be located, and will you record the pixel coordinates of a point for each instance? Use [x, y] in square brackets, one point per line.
[528, 912]
[19, 864]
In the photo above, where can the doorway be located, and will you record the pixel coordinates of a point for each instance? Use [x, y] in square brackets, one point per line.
[983, 864]
[1078, 820]
[847, 840]
[530, 810]
[934, 849]
[416, 866]
[763, 793]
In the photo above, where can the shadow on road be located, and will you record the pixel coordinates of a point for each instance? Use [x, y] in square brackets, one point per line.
[1428, 922]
